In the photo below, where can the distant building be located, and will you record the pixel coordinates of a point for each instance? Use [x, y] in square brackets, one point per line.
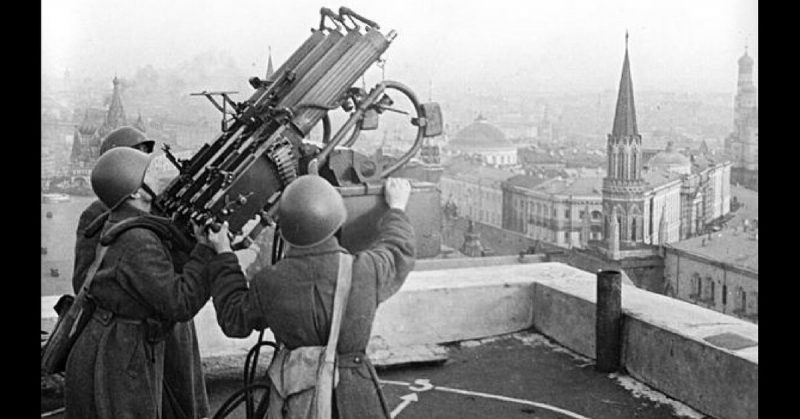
[88, 136]
[742, 145]
[718, 271]
[486, 142]
[565, 212]
[627, 210]
[474, 191]
[669, 198]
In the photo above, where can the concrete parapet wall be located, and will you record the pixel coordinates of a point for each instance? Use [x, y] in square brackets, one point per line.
[699, 374]
[703, 358]
[664, 342]
[439, 306]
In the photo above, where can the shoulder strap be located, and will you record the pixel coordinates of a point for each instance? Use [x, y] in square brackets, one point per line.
[163, 227]
[325, 374]
[100, 252]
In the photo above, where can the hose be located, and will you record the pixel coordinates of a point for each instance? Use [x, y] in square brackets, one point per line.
[245, 394]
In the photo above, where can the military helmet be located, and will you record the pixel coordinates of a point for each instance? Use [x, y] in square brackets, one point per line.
[126, 137]
[118, 174]
[310, 211]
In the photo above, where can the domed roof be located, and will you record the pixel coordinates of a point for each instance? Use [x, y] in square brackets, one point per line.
[669, 158]
[480, 134]
[745, 59]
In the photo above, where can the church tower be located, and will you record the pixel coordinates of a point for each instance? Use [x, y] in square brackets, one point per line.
[623, 186]
[746, 113]
[115, 117]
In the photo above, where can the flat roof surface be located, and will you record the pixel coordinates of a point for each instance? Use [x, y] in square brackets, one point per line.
[749, 210]
[522, 375]
[736, 248]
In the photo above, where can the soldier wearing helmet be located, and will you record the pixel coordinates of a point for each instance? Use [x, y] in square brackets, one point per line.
[116, 367]
[295, 296]
[186, 394]
[86, 243]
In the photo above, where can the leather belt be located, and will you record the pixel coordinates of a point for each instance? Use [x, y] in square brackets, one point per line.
[352, 360]
[105, 316]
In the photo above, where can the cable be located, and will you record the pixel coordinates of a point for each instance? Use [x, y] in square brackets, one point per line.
[245, 394]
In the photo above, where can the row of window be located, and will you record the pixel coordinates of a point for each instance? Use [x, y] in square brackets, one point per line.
[704, 290]
[542, 209]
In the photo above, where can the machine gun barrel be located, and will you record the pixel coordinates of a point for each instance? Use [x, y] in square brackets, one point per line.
[240, 173]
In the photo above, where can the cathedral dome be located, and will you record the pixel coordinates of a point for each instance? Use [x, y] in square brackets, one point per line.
[480, 135]
[670, 160]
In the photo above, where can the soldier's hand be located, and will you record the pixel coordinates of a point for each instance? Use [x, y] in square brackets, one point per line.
[220, 240]
[200, 234]
[397, 192]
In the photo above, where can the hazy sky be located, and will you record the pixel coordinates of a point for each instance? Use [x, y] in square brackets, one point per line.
[547, 46]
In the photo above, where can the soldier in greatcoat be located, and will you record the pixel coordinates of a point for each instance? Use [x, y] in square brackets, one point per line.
[116, 367]
[184, 384]
[295, 296]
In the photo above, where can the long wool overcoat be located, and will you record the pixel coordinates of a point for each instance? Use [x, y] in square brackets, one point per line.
[295, 299]
[114, 369]
[185, 394]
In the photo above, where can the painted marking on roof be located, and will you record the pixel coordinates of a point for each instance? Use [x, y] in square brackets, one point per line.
[407, 400]
[425, 385]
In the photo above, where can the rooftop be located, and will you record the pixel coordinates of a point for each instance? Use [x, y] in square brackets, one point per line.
[574, 186]
[519, 339]
[737, 248]
[524, 181]
[459, 168]
[481, 135]
[493, 378]
[658, 177]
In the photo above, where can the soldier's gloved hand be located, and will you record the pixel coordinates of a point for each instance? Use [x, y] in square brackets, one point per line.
[220, 240]
[397, 192]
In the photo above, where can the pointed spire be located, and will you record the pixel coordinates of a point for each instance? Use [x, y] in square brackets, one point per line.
[270, 70]
[115, 117]
[139, 124]
[625, 115]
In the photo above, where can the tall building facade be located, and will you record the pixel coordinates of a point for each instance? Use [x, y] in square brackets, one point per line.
[742, 145]
[624, 187]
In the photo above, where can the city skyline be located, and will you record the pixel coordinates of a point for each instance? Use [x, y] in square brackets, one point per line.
[573, 47]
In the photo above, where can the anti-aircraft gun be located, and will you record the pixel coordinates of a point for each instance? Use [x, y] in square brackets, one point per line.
[261, 148]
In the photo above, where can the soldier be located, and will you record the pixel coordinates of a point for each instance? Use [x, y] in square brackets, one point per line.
[184, 387]
[295, 296]
[120, 137]
[116, 366]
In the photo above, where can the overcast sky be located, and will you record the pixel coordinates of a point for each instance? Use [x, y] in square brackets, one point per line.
[533, 45]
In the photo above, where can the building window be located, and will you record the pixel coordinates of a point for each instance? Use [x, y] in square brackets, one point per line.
[697, 287]
[724, 295]
[709, 290]
[742, 301]
[566, 213]
[582, 214]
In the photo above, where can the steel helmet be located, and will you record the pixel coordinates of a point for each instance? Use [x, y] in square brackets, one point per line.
[118, 174]
[125, 137]
[310, 211]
